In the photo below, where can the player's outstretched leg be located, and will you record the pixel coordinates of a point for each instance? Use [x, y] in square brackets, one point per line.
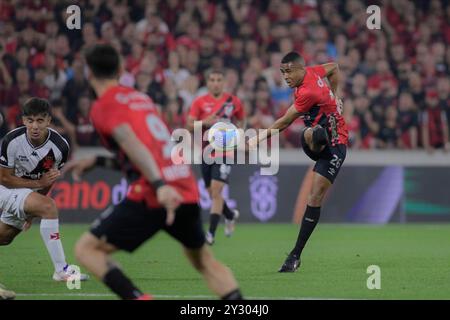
[41, 206]
[309, 222]
[6, 294]
[218, 277]
[94, 255]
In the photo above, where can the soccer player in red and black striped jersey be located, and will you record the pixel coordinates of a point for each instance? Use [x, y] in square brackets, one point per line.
[210, 108]
[162, 195]
[324, 139]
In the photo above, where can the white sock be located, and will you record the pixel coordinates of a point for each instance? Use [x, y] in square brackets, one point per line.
[50, 235]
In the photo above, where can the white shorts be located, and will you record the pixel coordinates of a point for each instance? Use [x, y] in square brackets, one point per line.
[11, 206]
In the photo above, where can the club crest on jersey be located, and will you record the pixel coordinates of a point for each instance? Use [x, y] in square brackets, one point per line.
[227, 110]
[48, 162]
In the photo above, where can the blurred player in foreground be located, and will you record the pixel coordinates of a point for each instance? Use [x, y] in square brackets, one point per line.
[162, 195]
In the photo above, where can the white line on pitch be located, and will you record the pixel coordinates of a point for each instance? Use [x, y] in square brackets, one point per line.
[164, 296]
[64, 295]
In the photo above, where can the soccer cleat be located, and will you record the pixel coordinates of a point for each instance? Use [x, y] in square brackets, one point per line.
[145, 297]
[6, 294]
[320, 136]
[209, 238]
[230, 224]
[291, 264]
[67, 273]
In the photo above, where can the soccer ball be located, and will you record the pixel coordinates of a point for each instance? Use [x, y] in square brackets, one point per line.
[223, 136]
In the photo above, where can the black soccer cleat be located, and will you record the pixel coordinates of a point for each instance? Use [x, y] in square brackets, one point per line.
[320, 136]
[291, 264]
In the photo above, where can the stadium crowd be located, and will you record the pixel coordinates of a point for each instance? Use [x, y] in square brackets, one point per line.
[396, 80]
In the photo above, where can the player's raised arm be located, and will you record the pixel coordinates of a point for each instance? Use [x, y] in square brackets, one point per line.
[333, 75]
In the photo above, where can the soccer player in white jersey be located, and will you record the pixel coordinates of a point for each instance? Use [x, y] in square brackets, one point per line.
[30, 159]
[5, 294]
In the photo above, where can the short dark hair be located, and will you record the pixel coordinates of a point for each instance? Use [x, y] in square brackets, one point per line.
[103, 60]
[214, 71]
[36, 106]
[293, 57]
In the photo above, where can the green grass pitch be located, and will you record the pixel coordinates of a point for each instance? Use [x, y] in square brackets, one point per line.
[414, 260]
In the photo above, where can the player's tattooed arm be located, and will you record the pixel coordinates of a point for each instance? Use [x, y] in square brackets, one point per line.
[9, 180]
[333, 76]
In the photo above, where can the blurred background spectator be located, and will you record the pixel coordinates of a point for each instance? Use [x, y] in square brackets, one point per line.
[395, 81]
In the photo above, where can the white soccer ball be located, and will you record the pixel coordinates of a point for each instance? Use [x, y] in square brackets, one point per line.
[223, 136]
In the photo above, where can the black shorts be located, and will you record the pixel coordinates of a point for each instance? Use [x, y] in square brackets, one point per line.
[130, 223]
[328, 161]
[215, 171]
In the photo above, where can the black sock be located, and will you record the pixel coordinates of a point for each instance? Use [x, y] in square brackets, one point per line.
[120, 284]
[309, 222]
[227, 213]
[233, 295]
[214, 219]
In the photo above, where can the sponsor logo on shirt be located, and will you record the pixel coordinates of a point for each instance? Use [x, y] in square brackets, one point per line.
[22, 158]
